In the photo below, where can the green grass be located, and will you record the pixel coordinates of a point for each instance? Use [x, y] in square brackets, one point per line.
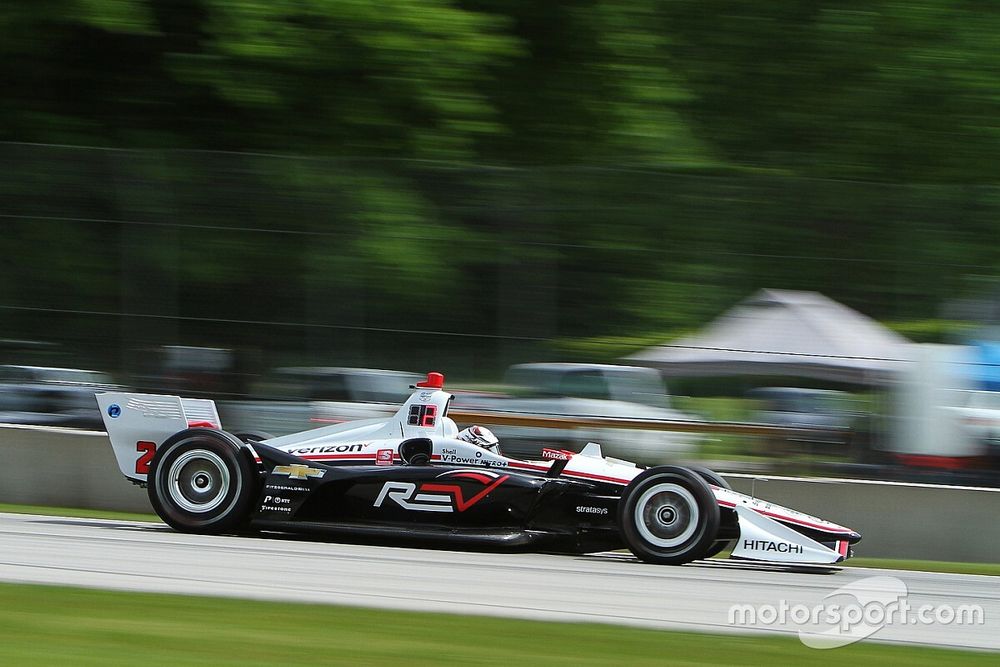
[715, 446]
[716, 408]
[947, 567]
[992, 569]
[77, 512]
[69, 626]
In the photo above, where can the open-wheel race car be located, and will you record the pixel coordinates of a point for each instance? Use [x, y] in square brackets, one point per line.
[410, 478]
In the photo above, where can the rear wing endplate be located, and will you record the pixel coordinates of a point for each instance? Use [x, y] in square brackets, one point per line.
[137, 424]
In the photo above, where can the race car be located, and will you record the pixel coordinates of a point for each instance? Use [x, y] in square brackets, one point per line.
[409, 478]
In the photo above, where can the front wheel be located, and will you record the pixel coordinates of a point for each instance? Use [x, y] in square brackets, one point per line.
[669, 515]
[727, 517]
[200, 482]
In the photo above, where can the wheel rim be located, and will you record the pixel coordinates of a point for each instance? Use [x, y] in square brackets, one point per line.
[198, 481]
[666, 515]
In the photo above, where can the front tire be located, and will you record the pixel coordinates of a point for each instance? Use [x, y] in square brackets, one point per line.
[715, 479]
[669, 516]
[201, 482]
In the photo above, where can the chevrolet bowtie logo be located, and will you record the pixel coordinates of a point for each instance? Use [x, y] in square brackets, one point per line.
[299, 471]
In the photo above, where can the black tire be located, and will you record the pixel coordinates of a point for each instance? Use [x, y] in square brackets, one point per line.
[201, 482]
[714, 479]
[710, 476]
[669, 516]
[253, 436]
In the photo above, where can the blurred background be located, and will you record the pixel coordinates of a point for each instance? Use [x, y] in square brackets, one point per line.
[728, 215]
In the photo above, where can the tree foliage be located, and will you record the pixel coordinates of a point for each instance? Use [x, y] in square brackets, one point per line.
[528, 169]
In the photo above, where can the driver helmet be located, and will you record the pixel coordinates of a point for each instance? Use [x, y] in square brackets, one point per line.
[481, 436]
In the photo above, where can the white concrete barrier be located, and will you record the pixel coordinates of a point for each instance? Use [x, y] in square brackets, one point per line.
[64, 467]
[895, 519]
[70, 468]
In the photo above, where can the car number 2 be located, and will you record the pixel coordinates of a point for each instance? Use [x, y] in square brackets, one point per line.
[147, 450]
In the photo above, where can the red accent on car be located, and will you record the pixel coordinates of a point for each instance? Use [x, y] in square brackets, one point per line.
[570, 473]
[528, 466]
[201, 424]
[148, 451]
[433, 381]
[831, 528]
[430, 411]
[479, 477]
[461, 504]
[842, 548]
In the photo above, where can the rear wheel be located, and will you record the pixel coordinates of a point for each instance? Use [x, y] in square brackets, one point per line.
[669, 515]
[253, 436]
[200, 482]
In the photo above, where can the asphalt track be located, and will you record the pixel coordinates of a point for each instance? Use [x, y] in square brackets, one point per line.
[603, 588]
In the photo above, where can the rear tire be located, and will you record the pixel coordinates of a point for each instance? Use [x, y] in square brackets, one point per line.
[201, 482]
[668, 515]
[253, 436]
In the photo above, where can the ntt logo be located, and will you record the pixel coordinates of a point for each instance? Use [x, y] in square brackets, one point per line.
[853, 612]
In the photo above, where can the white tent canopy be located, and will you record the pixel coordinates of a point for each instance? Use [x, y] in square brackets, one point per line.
[781, 332]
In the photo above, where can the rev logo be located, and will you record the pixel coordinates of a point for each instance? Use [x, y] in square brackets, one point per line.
[437, 497]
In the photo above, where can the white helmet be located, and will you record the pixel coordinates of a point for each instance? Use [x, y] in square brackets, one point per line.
[481, 436]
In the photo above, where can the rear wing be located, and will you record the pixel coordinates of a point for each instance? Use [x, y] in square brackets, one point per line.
[137, 425]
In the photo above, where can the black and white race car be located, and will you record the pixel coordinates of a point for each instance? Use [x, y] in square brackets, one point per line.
[408, 478]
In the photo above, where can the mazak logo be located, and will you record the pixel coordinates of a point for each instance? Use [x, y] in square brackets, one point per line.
[441, 497]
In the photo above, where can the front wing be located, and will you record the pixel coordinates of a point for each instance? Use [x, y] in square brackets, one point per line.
[763, 538]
